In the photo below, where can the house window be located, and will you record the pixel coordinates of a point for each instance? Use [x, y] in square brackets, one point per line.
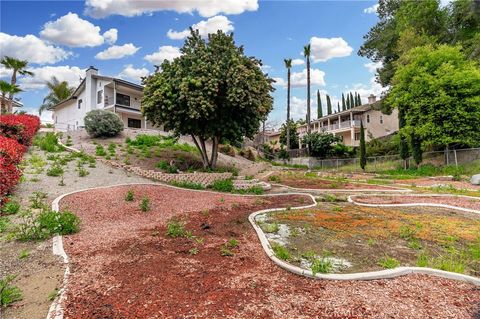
[123, 99]
[99, 96]
[381, 119]
[79, 103]
[368, 118]
[357, 136]
[134, 123]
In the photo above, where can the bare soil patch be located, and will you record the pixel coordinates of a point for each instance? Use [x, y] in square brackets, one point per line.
[124, 266]
[363, 237]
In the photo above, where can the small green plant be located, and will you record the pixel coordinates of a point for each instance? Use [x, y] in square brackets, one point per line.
[24, 253]
[129, 197]
[321, 265]
[62, 181]
[100, 150]
[61, 223]
[53, 295]
[11, 207]
[145, 204]
[388, 262]
[4, 224]
[337, 208]
[371, 242]
[37, 199]
[281, 252]
[414, 244]
[69, 141]
[176, 228]
[48, 142]
[82, 172]
[193, 251]
[223, 185]
[55, 170]
[270, 227]
[422, 260]
[225, 251]
[274, 178]
[8, 293]
[232, 243]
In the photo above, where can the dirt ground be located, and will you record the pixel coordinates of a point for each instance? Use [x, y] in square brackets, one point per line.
[124, 266]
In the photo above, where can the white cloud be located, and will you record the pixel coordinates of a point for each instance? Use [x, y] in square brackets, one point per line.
[31, 48]
[205, 27]
[297, 62]
[72, 31]
[299, 79]
[166, 52]
[373, 66]
[365, 90]
[324, 49]
[265, 68]
[130, 8]
[130, 73]
[4, 72]
[117, 52]
[298, 108]
[71, 74]
[111, 36]
[372, 9]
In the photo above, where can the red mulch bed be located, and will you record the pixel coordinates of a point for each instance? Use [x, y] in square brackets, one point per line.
[315, 183]
[432, 182]
[123, 266]
[469, 203]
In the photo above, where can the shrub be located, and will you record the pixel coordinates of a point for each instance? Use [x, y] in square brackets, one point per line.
[19, 127]
[176, 228]
[61, 223]
[8, 293]
[100, 151]
[227, 149]
[281, 252]
[48, 143]
[9, 177]
[223, 185]
[101, 123]
[321, 265]
[11, 207]
[388, 262]
[11, 150]
[55, 170]
[144, 140]
[186, 184]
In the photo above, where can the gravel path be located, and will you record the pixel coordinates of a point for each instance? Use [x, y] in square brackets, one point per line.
[123, 266]
[470, 203]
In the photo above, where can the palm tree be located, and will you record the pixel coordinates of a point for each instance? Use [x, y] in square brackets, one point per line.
[306, 53]
[7, 88]
[59, 91]
[288, 65]
[18, 66]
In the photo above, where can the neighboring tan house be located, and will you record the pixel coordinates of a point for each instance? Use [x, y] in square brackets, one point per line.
[346, 124]
[104, 93]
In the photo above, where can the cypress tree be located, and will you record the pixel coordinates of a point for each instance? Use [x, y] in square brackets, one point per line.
[319, 105]
[329, 105]
[359, 100]
[416, 148]
[338, 107]
[344, 106]
[352, 101]
[348, 101]
[363, 151]
[356, 99]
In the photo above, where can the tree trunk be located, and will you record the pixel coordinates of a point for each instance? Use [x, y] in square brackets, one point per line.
[10, 95]
[308, 95]
[288, 109]
[202, 153]
[214, 157]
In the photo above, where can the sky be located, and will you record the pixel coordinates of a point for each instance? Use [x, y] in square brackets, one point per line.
[126, 38]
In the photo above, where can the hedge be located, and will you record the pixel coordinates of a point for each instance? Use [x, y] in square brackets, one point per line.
[16, 134]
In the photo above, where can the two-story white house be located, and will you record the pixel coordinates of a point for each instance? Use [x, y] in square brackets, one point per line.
[101, 92]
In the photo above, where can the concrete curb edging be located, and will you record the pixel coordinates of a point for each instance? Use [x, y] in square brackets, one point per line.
[371, 275]
[343, 190]
[468, 210]
[56, 308]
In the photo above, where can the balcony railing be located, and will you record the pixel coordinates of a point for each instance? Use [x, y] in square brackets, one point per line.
[336, 126]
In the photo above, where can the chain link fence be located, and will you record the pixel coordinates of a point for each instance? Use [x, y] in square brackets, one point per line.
[379, 163]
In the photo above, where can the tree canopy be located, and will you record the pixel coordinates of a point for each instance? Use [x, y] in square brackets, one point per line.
[321, 144]
[437, 90]
[294, 139]
[213, 91]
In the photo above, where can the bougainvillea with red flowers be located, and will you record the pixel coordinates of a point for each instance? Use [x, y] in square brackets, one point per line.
[20, 127]
[16, 134]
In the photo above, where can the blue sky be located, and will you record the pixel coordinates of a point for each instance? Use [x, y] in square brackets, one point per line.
[124, 38]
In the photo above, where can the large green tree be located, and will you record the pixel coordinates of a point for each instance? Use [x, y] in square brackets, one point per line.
[329, 105]
[294, 137]
[58, 91]
[288, 65]
[437, 91]
[319, 105]
[404, 25]
[212, 92]
[321, 144]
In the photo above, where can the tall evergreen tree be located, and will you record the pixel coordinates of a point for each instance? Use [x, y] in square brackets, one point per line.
[306, 53]
[344, 106]
[363, 150]
[329, 105]
[288, 65]
[356, 99]
[319, 105]
[352, 101]
[359, 100]
[338, 107]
